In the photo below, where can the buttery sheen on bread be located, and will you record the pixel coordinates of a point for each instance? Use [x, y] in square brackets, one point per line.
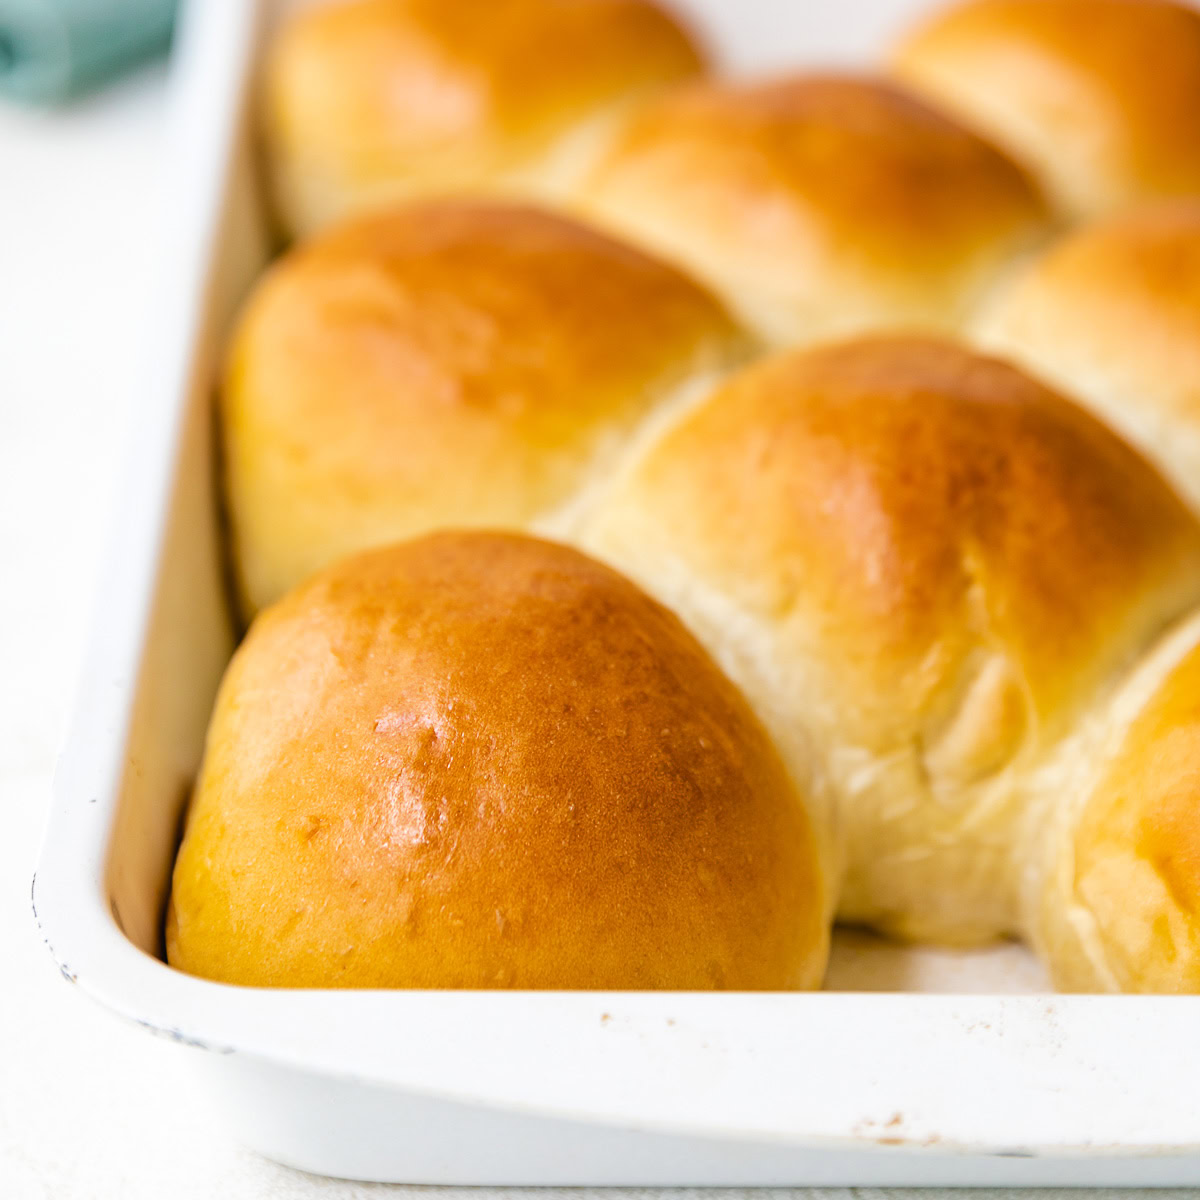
[1112, 314]
[819, 205]
[477, 761]
[371, 101]
[1097, 97]
[455, 363]
[928, 570]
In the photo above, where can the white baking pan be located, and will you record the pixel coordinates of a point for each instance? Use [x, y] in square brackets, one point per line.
[876, 1083]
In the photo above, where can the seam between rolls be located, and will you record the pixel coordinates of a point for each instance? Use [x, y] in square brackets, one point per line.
[619, 454]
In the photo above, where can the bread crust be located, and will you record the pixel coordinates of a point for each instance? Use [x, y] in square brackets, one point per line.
[1097, 97]
[483, 760]
[448, 364]
[931, 565]
[373, 101]
[1112, 315]
[819, 205]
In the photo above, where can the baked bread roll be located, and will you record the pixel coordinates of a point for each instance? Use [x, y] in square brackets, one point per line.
[1115, 889]
[925, 568]
[1097, 97]
[446, 364]
[1112, 313]
[478, 761]
[372, 101]
[819, 205]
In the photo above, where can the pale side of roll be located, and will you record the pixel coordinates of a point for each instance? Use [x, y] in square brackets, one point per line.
[925, 568]
[1112, 856]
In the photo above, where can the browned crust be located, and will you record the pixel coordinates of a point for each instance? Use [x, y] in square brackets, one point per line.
[478, 760]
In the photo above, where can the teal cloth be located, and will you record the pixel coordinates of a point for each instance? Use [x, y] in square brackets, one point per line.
[52, 50]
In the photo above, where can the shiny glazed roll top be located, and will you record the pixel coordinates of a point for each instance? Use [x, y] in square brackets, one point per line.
[820, 205]
[482, 760]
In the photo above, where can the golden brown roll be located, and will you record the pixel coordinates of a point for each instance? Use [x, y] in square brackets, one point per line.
[819, 205]
[371, 101]
[1098, 97]
[446, 364]
[1118, 906]
[479, 760]
[923, 567]
[1113, 314]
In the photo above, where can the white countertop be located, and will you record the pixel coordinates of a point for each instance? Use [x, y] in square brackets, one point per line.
[89, 1108]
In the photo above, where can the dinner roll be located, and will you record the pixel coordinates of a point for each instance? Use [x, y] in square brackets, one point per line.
[924, 565]
[445, 364]
[479, 760]
[1113, 314]
[819, 205]
[1120, 906]
[1098, 97]
[371, 101]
